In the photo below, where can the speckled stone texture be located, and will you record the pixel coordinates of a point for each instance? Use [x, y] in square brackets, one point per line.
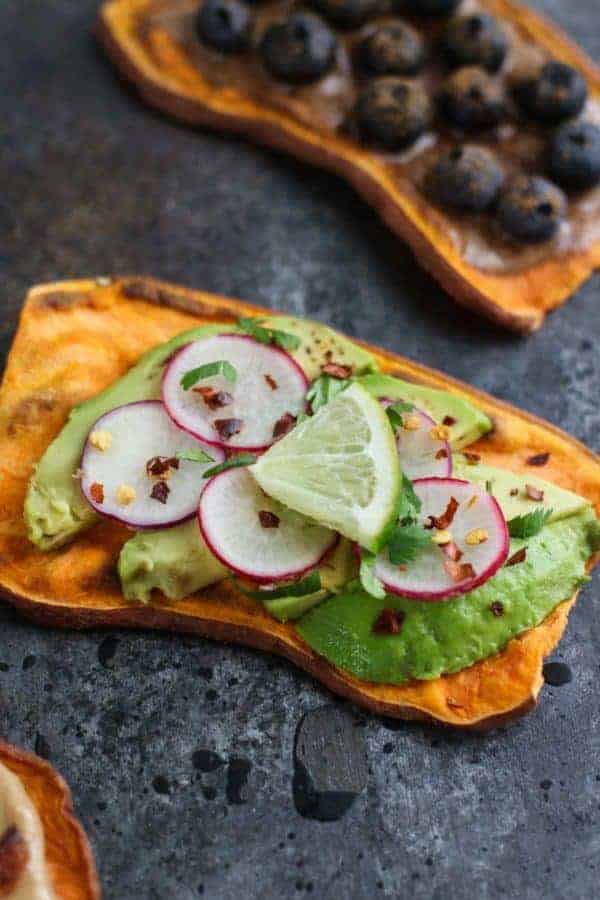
[92, 182]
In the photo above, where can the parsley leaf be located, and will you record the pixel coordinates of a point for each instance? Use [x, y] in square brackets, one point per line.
[530, 524]
[264, 335]
[309, 585]
[409, 505]
[234, 462]
[323, 389]
[219, 367]
[394, 413]
[406, 542]
[368, 579]
[194, 456]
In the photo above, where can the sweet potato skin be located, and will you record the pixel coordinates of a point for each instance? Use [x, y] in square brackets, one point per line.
[75, 338]
[518, 301]
[68, 853]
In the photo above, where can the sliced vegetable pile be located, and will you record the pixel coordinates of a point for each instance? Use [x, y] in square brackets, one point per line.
[279, 470]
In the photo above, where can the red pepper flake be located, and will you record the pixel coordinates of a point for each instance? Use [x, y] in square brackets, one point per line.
[389, 621]
[97, 492]
[214, 399]
[271, 382]
[442, 454]
[283, 425]
[14, 856]
[452, 551]
[226, 428]
[445, 520]
[160, 465]
[268, 519]
[534, 493]
[514, 492]
[160, 491]
[497, 608]
[336, 370]
[449, 421]
[471, 458]
[538, 459]
[518, 557]
[459, 571]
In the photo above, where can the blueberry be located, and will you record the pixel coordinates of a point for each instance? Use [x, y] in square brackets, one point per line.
[476, 40]
[223, 25]
[299, 49]
[470, 99]
[530, 209]
[557, 92]
[393, 112]
[346, 13]
[394, 49]
[465, 178]
[433, 8]
[574, 155]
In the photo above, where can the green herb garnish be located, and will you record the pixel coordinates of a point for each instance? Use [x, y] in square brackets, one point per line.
[371, 584]
[220, 367]
[198, 456]
[309, 585]
[530, 524]
[264, 335]
[409, 505]
[234, 462]
[406, 542]
[394, 413]
[324, 389]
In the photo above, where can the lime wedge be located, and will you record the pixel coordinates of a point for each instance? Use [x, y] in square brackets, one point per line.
[339, 467]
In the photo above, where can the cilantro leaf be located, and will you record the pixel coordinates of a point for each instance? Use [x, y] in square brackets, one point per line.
[368, 579]
[265, 335]
[323, 389]
[234, 462]
[194, 456]
[219, 367]
[409, 505]
[394, 413]
[530, 524]
[309, 585]
[406, 542]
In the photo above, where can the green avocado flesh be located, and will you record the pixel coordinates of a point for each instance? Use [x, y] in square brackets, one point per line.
[450, 635]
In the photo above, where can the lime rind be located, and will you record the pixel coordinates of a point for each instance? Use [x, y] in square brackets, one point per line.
[339, 467]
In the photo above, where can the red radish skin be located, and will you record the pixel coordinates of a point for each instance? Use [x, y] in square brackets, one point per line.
[212, 513]
[417, 449]
[199, 423]
[491, 517]
[138, 432]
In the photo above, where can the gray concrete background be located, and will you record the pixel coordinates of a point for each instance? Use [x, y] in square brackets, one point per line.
[92, 182]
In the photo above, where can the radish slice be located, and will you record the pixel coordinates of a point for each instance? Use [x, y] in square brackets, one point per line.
[440, 572]
[422, 454]
[130, 472]
[247, 414]
[255, 536]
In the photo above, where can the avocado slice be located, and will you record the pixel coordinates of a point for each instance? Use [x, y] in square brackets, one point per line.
[503, 485]
[469, 425]
[450, 635]
[175, 561]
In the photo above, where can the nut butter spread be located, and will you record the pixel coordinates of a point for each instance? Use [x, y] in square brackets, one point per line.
[329, 104]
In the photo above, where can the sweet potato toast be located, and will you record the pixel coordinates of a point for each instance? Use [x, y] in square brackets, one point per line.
[75, 338]
[166, 77]
[68, 854]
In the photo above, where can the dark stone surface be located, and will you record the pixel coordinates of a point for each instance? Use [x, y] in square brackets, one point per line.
[94, 183]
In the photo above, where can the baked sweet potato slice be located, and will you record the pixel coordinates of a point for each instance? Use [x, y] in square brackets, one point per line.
[76, 337]
[166, 78]
[68, 854]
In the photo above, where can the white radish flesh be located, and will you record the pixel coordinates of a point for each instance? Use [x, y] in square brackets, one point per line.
[476, 542]
[247, 414]
[255, 536]
[422, 453]
[122, 447]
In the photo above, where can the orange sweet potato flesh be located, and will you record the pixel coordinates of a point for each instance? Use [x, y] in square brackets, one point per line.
[75, 338]
[168, 80]
[68, 854]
